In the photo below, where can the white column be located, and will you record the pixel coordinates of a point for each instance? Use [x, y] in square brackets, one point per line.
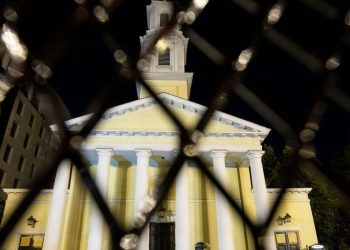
[182, 227]
[259, 185]
[260, 195]
[95, 239]
[141, 190]
[223, 213]
[58, 203]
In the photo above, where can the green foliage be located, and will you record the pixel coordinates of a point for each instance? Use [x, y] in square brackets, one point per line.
[332, 224]
[275, 165]
[339, 234]
[272, 167]
[341, 160]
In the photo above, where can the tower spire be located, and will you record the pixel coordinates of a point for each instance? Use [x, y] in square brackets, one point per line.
[165, 69]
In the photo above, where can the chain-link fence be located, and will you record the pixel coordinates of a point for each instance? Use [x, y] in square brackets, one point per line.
[302, 47]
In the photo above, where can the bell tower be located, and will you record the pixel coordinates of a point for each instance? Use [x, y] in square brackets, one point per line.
[165, 69]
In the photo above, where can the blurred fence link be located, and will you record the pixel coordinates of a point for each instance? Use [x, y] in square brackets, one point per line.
[266, 15]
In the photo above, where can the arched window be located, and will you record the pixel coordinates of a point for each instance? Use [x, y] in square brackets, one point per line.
[164, 18]
[164, 57]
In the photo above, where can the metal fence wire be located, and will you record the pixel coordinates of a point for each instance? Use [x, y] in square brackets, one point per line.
[326, 65]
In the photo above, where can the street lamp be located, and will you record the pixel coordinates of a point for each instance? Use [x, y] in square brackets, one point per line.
[317, 247]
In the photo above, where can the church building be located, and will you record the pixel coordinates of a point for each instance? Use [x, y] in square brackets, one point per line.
[133, 146]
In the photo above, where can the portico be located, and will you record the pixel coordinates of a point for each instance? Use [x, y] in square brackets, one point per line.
[144, 166]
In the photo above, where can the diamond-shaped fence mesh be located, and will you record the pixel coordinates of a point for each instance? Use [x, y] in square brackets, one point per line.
[313, 35]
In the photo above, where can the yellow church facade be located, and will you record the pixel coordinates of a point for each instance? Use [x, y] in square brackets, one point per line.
[136, 132]
[139, 133]
[130, 150]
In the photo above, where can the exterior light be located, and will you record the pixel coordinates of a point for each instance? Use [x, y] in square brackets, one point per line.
[317, 246]
[287, 218]
[279, 220]
[31, 221]
[282, 220]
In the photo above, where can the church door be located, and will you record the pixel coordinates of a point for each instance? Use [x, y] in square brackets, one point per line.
[162, 236]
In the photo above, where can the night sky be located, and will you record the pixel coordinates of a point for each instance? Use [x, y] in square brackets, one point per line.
[82, 63]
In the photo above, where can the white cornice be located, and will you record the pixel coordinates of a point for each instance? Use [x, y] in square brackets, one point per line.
[153, 33]
[25, 190]
[289, 190]
[140, 133]
[168, 75]
[170, 147]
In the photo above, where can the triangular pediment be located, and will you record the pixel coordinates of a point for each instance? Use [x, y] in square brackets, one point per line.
[146, 115]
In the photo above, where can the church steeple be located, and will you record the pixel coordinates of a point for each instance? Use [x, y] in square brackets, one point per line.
[165, 70]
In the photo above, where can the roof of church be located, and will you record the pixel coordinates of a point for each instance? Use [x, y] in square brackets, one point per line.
[174, 102]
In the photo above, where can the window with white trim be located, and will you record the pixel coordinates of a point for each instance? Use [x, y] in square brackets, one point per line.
[37, 151]
[31, 242]
[41, 133]
[14, 129]
[21, 164]
[2, 176]
[8, 153]
[19, 108]
[15, 183]
[31, 121]
[287, 240]
[32, 170]
[26, 141]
